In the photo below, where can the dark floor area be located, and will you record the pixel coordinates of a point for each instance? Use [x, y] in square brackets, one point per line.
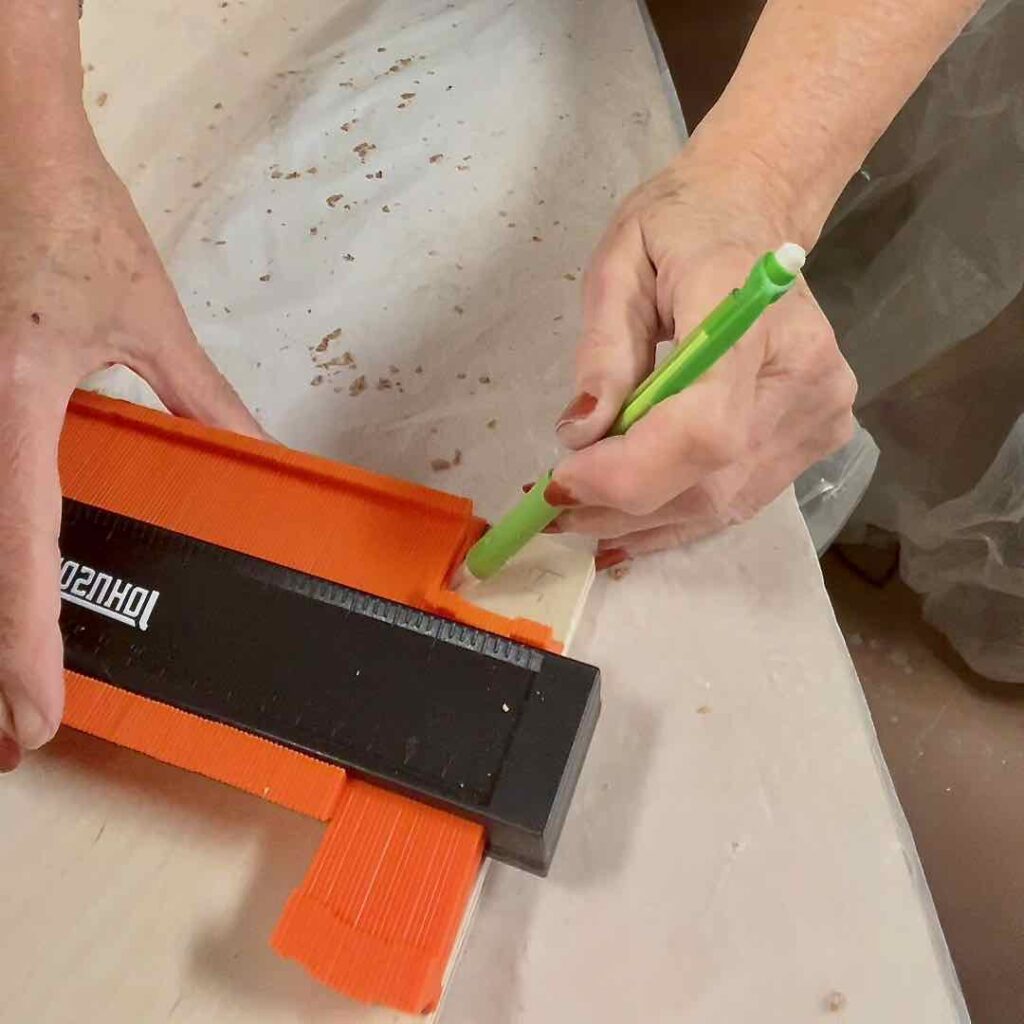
[954, 742]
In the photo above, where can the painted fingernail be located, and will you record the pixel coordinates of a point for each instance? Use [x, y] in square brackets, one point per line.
[578, 409]
[527, 488]
[609, 558]
[10, 754]
[559, 495]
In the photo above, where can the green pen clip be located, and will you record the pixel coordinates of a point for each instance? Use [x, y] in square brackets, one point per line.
[771, 277]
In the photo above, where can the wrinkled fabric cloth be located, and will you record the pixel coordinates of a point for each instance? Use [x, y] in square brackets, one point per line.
[920, 270]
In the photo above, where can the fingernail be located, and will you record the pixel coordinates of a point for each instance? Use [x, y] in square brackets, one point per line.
[610, 558]
[559, 495]
[527, 488]
[10, 754]
[578, 409]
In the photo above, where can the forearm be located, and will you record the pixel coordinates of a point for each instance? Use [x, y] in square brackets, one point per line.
[41, 112]
[818, 84]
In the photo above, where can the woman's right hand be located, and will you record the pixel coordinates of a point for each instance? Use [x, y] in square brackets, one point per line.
[81, 287]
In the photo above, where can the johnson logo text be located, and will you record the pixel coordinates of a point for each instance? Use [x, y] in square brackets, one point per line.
[106, 595]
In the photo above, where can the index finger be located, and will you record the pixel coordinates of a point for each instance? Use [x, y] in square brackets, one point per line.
[685, 438]
[31, 658]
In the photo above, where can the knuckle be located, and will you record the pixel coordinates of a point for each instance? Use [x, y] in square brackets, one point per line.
[845, 387]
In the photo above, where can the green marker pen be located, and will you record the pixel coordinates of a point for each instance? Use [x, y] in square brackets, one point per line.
[772, 276]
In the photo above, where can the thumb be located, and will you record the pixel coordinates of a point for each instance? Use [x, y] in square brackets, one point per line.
[164, 351]
[620, 330]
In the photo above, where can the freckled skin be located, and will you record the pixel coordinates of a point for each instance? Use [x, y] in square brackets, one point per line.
[81, 288]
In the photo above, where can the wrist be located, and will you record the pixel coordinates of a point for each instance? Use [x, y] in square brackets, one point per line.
[41, 107]
[796, 176]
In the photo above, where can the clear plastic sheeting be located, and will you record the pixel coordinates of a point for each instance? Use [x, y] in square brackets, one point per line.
[829, 492]
[916, 269]
[966, 556]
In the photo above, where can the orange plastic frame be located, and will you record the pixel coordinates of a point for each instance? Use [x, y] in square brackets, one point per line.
[378, 913]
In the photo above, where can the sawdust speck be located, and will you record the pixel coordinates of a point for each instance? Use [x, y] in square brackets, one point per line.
[357, 387]
[835, 1001]
[363, 150]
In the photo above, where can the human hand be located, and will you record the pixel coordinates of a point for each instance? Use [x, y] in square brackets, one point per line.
[81, 288]
[717, 453]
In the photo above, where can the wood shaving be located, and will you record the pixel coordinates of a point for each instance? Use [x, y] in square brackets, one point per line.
[459, 310]
[327, 339]
[491, 424]
[349, 258]
[569, 277]
[386, 208]
[383, 384]
[292, 175]
[835, 1001]
[357, 387]
[101, 100]
[264, 277]
[332, 201]
[485, 379]
[704, 709]
[363, 150]
[317, 380]
[419, 369]
[343, 362]
[437, 158]
[393, 369]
